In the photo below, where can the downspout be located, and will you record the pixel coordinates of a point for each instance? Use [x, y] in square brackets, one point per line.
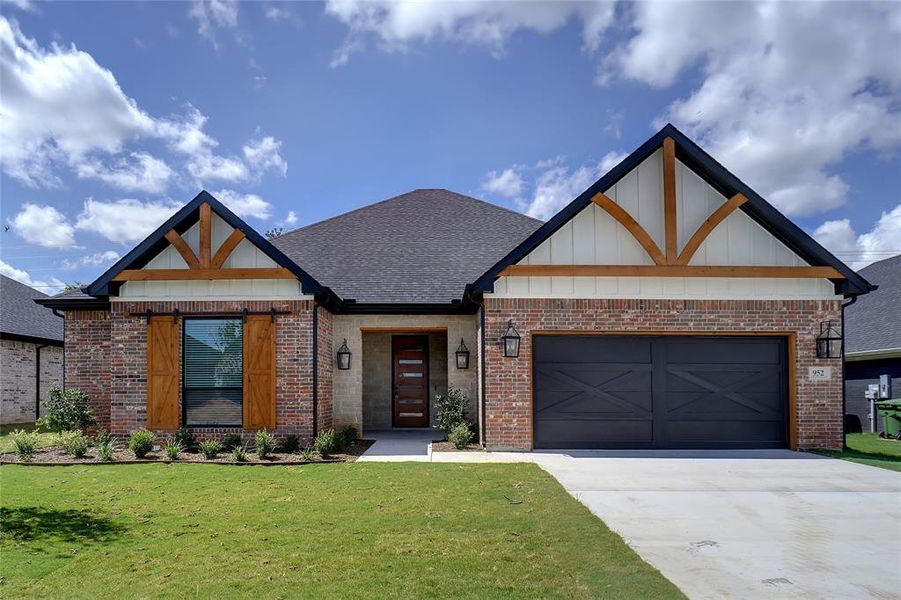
[37, 381]
[315, 367]
[844, 396]
[63, 317]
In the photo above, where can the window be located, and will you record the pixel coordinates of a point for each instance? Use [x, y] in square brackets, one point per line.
[213, 372]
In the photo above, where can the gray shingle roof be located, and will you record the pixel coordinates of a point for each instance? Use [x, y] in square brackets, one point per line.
[874, 321]
[19, 315]
[423, 246]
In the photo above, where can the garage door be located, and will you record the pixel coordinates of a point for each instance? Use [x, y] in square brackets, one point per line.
[601, 391]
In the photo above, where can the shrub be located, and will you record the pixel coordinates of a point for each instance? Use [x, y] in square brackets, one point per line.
[172, 449]
[308, 453]
[209, 449]
[460, 435]
[141, 442]
[184, 437]
[346, 436]
[230, 441]
[74, 442]
[239, 454]
[103, 437]
[105, 450]
[449, 409]
[289, 445]
[66, 410]
[26, 442]
[265, 443]
[325, 442]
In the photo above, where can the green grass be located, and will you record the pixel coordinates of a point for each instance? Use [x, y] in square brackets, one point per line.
[869, 449]
[45, 439]
[333, 530]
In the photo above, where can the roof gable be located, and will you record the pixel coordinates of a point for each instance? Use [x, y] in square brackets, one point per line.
[687, 155]
[20, 317]
[152, 247]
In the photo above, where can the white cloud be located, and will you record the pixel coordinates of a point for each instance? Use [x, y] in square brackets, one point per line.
[783, 98]
[124, 221]
[883, 241]
[291, 219]
[144, 173]
[212, 15]
[263, 153]
[244, 205]
[44, 226]
[479, 22]
[26, 5]
[50, 287]
[96, 259]
[508, 183]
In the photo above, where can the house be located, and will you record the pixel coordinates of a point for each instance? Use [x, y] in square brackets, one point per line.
[667, 306]
[31, 352]
[873, 340]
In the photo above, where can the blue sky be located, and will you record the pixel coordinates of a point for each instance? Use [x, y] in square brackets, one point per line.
[114, 114]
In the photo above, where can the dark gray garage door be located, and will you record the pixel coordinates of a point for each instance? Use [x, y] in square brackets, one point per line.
[602, 391]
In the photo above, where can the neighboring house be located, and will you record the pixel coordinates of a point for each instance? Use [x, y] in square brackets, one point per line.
[31, 352]
[668, 306]
[873, 338]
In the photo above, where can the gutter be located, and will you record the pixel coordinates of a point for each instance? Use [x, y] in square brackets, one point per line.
[873, 354]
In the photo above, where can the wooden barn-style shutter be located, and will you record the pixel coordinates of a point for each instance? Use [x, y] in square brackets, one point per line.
[162, 373]
[259, 372]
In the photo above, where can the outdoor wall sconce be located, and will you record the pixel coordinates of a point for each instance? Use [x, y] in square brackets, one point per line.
[829, 342]
[462, 356]
[344, 356]
[511, 341]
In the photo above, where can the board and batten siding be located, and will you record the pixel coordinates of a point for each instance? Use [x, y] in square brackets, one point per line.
[245, 255]
[593, 237]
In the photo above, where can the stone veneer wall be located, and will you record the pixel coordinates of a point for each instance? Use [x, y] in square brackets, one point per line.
[508, 381]
[17, 378]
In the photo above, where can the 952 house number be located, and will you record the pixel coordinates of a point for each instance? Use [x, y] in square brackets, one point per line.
[819, 373]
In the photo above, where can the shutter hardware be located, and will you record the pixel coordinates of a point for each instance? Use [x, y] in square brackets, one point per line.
[242, 313]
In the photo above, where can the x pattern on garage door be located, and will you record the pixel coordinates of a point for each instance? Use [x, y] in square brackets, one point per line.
[602, 391]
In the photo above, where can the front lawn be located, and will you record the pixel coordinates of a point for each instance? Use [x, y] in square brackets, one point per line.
[45, 439]
[869, 449]
[330, 530]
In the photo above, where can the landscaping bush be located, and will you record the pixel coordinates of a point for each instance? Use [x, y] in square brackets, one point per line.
[265, 443]
[324, 443]
[66, 410]
[308, 453]
[172, 449]
[230, 441]
[184, 437]
[74, 442]
[209, 449]
[460, 435]
[25, 442]
[449, 409]
[103, 436]
[345, 437]
[105, 450]
[239, 454]
[141, 442]
[289, 445]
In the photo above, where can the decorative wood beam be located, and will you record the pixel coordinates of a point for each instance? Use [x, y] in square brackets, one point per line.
[715, 218]
[669, 200]
[200, 274]
[182, 246]
[625, 219]
[669, 271]
[206, 235]
[227, 247]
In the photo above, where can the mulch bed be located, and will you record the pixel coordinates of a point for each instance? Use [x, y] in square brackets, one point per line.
[448, 447]
[55, 456]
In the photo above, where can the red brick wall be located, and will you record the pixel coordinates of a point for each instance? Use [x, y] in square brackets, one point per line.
[508, 381]
[87, 359]
[106, 354]
[325, 364]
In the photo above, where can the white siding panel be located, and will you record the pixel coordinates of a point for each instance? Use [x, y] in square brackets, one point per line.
[246, 255]
[562, 245]
[220, 231]
[269, 289]
[583, 234]
[192, 238]
[650, 197]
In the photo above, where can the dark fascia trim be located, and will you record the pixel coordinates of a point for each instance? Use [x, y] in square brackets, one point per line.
[101, 303]
[721, 180]
[180, 222]
[407, 308]
[30, 339]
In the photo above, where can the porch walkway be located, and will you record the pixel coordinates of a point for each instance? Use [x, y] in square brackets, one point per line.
[396, 445]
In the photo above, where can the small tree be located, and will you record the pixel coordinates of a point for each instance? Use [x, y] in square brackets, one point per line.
[66, 410]
[449, 409]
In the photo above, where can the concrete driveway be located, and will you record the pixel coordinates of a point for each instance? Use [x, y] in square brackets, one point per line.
[747, 524]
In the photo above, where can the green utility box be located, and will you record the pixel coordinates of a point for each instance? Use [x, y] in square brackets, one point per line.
[891, 415]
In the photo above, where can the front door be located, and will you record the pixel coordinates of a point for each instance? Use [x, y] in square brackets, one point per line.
[410, 359]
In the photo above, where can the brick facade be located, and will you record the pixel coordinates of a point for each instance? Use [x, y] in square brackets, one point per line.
[324, 364]
[508, 401]
[106, 355]
[18, 363]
